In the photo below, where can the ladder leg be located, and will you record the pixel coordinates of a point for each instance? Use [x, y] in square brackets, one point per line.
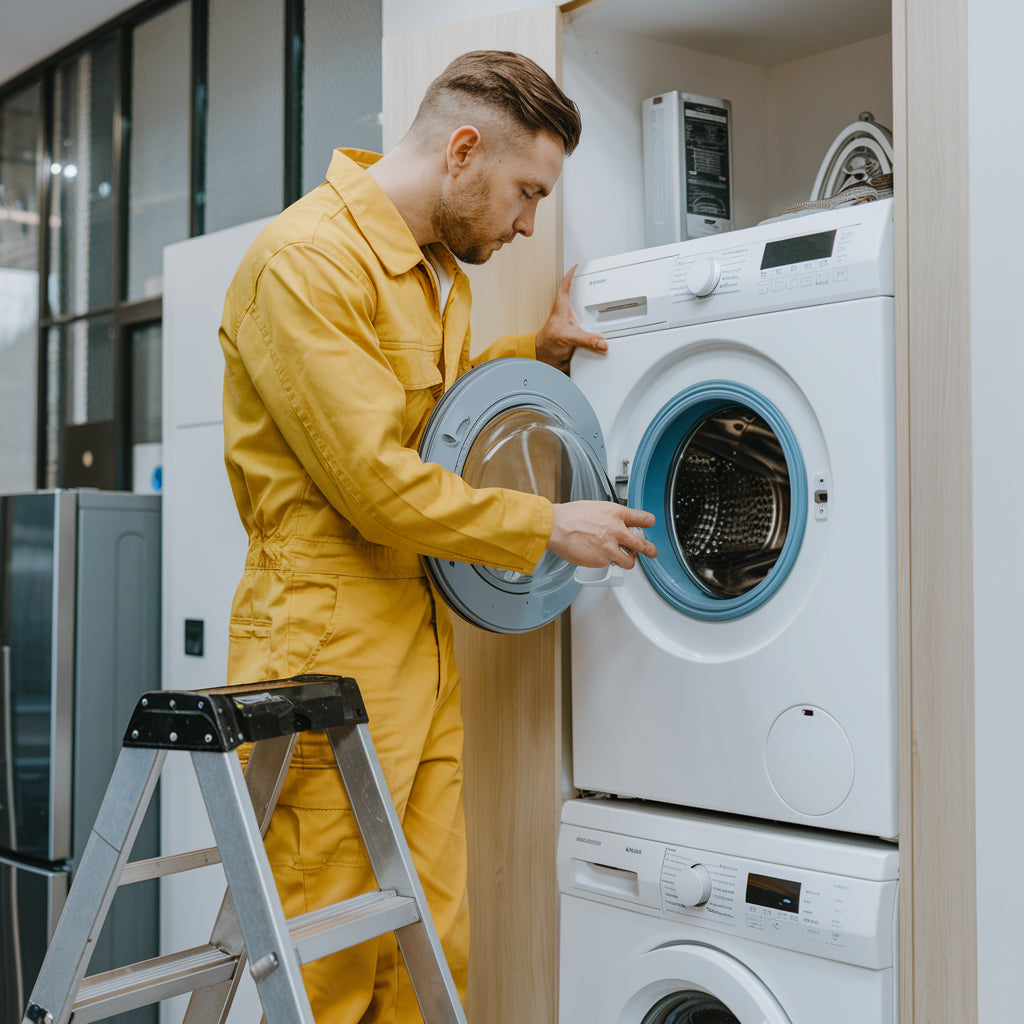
[264, 776]
[99, 871]
[268, 942]
[392, 864]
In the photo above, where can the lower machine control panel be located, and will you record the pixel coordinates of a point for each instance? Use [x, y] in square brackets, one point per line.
[843, 918]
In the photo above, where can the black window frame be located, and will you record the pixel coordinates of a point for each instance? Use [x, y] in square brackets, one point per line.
[128, 315]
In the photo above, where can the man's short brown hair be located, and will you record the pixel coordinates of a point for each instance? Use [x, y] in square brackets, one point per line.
[509, 84]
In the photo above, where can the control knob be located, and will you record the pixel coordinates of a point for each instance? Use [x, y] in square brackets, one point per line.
[703, 276]
[693, 886]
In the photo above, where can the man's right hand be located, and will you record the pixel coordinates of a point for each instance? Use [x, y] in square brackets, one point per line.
[598, 533]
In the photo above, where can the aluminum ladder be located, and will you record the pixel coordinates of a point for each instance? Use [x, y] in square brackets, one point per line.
[251, 925]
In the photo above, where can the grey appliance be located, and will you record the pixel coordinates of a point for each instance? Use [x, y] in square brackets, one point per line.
[79, 641]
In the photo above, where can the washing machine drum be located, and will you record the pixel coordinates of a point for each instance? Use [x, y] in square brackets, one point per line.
[721, 469]
[690, 1008]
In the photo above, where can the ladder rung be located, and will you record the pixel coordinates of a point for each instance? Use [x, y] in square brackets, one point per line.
[171, 864]
[125, 988]
[313, 935]
[350, 922]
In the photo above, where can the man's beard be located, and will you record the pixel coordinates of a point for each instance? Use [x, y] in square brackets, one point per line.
[454, 222]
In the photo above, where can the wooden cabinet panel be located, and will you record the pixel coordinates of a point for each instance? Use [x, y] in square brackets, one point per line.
[511, 685]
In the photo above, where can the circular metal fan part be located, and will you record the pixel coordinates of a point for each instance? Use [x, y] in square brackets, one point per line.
[860, 154]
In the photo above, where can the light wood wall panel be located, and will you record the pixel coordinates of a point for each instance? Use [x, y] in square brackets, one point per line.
[511, 685]
[937, 846]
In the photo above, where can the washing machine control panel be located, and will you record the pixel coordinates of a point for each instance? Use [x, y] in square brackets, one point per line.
[843, 918]
[828, 915]
[831, 256]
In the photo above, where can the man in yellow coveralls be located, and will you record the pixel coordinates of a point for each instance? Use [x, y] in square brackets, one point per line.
[345, 322]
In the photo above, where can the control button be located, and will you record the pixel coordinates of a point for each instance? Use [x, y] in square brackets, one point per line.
[777, 285]
[762, 287]
[703, 276]
[842, 274]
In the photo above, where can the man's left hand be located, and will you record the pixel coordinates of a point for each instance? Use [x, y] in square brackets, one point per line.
[562, 334]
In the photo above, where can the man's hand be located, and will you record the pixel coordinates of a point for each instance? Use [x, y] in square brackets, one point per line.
[562, 334]
[597, 533]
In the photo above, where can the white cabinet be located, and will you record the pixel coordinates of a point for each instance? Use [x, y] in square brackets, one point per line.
[203, 553]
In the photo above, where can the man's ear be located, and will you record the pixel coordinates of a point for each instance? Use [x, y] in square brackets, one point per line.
[464, 146]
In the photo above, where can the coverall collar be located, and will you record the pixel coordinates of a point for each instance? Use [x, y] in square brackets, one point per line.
[376, 216]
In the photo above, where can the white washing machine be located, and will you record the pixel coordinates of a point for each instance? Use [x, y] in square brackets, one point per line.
[747, 400]
[669, 917]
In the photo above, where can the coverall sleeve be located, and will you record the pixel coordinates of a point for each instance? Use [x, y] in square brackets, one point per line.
[310, 348]
[522, 345]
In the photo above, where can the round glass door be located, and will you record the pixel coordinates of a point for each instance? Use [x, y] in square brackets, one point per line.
[687, 983]
[522, 425]
[721, 469]
[690, 1007]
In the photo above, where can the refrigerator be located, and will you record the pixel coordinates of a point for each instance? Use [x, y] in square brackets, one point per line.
[79, 642]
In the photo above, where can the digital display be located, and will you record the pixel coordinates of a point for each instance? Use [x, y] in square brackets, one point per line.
[798, 250]
[774, 893]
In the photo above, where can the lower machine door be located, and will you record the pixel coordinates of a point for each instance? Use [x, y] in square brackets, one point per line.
[519, 424]
[688, 984]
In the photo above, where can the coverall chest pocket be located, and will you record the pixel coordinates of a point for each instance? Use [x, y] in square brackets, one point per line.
[418, 372]
[414, 364]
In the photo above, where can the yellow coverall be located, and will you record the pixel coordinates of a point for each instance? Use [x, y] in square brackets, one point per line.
[335, 353]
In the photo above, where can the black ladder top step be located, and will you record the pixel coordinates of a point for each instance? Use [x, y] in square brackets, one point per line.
[224, 717]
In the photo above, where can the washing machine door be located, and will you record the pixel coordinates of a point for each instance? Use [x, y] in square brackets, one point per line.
[688, 984]
[721, 468]
[520, 424]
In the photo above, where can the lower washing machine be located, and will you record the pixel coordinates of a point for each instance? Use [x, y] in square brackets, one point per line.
[673, 917]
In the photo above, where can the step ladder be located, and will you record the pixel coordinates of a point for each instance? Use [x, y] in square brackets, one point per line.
[251, 926]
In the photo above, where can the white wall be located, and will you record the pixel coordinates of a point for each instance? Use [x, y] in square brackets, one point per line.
[783, 121]
[609, 74]
[810, 101]
[997, 371]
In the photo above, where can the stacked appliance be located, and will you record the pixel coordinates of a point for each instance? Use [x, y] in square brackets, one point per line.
[734, 700]
[79, 641]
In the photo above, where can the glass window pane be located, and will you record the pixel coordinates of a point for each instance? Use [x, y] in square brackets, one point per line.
[245, 114]
[80, 386]
[341, 101]
[19, 287]
[88, 370]
[82, 183]
[158, 199]
[146, 399]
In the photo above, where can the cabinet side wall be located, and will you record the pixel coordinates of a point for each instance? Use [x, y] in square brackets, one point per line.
[939, 926]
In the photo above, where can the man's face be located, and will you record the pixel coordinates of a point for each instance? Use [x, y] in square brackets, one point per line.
[492, 202]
